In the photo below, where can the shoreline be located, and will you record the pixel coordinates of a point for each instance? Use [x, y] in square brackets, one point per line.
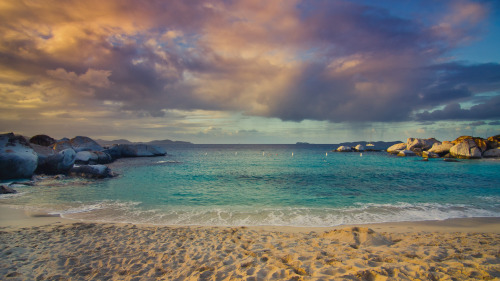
[14, 218]
[38, 246]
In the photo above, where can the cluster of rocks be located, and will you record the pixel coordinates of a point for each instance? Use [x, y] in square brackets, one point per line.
[357, 148]
[79, 156]
[464, 147]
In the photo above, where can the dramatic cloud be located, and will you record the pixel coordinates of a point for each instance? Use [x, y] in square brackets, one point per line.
[336, 61]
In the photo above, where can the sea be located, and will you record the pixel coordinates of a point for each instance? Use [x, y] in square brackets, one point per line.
[272, 185]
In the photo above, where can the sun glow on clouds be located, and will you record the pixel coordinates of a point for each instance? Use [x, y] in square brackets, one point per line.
[230, 71]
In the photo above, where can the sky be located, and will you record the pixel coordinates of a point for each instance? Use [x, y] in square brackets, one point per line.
[250, 71]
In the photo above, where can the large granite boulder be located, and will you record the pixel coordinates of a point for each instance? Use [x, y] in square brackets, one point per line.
[441, 148]
[480, 143]
[42, 140]
[395, 149]
[91, 171]
[80, 143]
[493, 142]
[492, 153]
[419, 145]
[134, 150]
[52, 162]
[344, 149]
[466, 149]
[17, 158]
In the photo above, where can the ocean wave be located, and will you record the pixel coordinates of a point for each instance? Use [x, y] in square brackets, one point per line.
[130, 212]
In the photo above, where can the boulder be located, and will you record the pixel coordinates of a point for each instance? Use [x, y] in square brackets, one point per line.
[419, 145]
[52, 162]
[17, 158]
[359, 147]
[80, 143]
[344, 149]
[493, 142]
[395, 149]
[84, 157]
[5, 189]
[134, 150]
[404, 153]
[480, 143]
[91, 171]
[103, 157]
[62, 145]
[42, 140]
[466, 149]
[492, 153]
[441, 148]
[93, 157]
[427, 154]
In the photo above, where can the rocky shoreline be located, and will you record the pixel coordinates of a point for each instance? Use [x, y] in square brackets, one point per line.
[77, 157]
[464, 147]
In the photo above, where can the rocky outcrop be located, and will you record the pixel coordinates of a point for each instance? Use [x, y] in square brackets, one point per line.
[466, 149]
[5, 189]
[93, 157]
[91, 171]
[42, 140]
[359, 148]
[441, 148]
[395, 149]
[343, 149]
[52, 162]
[480, 143]
[492, 153]
[134, 150]
[427, 154]
[419, 145]
[80, 143]
[404, 153]
[62, 145]
[17, 158]
[493, 142]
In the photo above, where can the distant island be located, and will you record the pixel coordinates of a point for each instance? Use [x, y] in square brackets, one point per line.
[153, 142]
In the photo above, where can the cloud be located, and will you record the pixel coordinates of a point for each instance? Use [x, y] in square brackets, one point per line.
[339, 61]
[483, 111]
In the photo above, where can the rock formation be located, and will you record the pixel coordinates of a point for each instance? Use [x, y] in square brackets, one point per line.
[492, 153]
[91, 171]
[395, 149]
[42, 140]
[441, 148]
[17, 158]
[52, 162]
[405, 152]
[20, 159]
[359, 148]
[134, 150]
[344, 149]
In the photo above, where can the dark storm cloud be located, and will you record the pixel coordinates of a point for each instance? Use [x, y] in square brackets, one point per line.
[484, 111]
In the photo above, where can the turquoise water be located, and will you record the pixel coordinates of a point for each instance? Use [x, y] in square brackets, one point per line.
[267, 185]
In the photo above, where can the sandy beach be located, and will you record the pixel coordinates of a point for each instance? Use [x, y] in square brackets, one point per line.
[36, 246]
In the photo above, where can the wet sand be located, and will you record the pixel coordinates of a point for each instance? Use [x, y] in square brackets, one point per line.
[36, 246]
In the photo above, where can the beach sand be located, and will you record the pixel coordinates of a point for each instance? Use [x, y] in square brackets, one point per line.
[41, 247]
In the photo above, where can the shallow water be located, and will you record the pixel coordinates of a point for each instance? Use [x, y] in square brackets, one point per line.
[267, 185]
